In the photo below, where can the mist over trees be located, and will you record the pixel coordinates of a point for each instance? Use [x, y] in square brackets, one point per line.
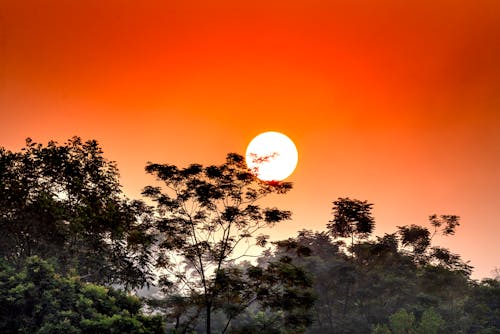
[74, 249]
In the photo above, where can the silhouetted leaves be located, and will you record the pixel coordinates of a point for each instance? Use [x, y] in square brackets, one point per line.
[65, 202]
[447, 223]
[205, 213]
[416, 237]
[351, 218]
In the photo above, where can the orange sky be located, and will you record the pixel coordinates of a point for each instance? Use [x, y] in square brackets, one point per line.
[397, 102]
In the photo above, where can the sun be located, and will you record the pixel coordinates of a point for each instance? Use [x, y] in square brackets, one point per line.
[272, 156]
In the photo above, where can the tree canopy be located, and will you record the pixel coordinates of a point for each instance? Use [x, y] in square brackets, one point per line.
[396, 283]
[65, 202]
[34, 299]
[206, 213]
[351, 218]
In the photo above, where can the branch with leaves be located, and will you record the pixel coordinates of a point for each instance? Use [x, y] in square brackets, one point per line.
[204, 214]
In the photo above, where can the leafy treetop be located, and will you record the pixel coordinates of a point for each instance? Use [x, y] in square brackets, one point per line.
[205, 213]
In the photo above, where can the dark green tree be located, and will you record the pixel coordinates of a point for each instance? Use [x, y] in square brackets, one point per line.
[65, 202]
[430, 322]
[403, 322]
[318, 255]
[206, 213]
[36, 300]
[483, 307]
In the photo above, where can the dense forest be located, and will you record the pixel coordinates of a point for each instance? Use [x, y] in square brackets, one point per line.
[75, 252]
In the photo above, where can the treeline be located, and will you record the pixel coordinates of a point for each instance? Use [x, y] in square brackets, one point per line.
[73, 249]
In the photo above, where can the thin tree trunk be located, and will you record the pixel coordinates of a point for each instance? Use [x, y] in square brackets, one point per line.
[209, 324]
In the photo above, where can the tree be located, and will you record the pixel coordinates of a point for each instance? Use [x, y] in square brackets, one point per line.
[322, 259]
[418, 239]
[400, 270]
[280, 289]
[483, 306]
[34, 299]
[402, 322]
[205, 213]
[430, 322]
[351, 217]
[65, 202]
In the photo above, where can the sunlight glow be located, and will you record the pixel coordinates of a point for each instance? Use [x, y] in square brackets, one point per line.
[272, 156]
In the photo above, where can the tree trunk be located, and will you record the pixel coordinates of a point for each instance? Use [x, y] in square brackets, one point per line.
[209, 324]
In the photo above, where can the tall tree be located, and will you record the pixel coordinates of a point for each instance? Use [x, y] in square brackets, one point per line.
[65, 202]
[205, 214]
[351, 218]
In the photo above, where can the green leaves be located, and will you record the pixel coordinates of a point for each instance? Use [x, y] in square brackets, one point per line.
[35, 299]
[403, 322]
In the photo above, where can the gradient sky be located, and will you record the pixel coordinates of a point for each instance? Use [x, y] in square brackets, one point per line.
[394, 102]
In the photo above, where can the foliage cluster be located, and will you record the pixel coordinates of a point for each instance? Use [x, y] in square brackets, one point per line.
[36, 300]
[397, 283]
[64, 202]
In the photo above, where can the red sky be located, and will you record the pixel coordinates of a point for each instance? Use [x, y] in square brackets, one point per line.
[394, 102]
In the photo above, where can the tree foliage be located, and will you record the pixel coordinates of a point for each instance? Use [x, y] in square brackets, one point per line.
[403, 322]
[205, 214]
[36, 300]
[351, 218]
[416, 243]
[65, 202]
[483, 307]
[396, 283]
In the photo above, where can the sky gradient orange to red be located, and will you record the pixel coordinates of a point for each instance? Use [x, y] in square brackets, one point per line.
[394, 102]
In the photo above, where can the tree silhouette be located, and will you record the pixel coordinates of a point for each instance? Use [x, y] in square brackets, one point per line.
[205, 214]
[351, 218]
[416, 240]
[64, 202]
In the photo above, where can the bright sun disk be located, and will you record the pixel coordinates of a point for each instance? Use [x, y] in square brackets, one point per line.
[272, 156]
